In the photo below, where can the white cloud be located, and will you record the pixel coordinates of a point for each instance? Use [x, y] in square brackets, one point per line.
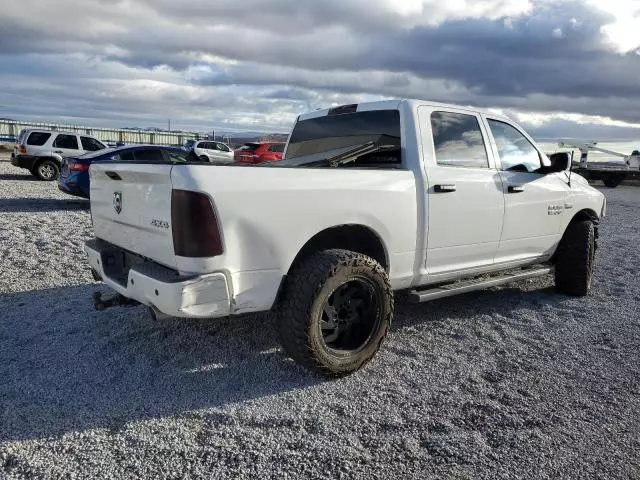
[623, 34]
[538, 119]
[258, 63]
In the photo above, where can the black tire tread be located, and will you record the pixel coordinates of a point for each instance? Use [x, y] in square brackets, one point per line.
[574, 265]
[302, 287]
[613, 181]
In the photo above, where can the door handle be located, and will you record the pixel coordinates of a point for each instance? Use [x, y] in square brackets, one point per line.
[113, 175]
[58, 151]
[444, 188]
[515, 189]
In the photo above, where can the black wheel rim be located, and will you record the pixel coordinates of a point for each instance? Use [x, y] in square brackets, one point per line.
[350, 316]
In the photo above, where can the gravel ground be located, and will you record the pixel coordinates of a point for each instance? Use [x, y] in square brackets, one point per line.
[514, 382]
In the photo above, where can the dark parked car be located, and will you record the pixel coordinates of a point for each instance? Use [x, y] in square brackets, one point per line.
[74, 174]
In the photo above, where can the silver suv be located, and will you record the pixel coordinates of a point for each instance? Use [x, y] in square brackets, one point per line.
[210, 151]
[41, 151]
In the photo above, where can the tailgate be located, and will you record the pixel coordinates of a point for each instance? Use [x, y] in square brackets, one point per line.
[131, 208]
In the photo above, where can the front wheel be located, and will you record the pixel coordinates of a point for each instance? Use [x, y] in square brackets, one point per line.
[336, 310]
[575, 255]
[47, 170]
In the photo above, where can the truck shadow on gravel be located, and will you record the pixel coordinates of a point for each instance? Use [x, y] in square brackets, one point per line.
[27, 205]
[67, 368]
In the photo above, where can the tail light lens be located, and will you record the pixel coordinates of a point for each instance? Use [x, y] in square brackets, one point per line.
[195, 228]
[78, 167]
[22, 149]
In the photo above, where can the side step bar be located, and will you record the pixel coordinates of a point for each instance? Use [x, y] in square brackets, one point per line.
[465, 286]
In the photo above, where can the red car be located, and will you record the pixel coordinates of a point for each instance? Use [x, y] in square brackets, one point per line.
[259, 152]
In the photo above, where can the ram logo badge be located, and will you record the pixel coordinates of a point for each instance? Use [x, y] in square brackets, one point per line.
[117, 202]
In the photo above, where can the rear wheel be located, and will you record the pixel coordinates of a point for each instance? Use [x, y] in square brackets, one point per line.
[203, 158]
[575, 255]
[336, 310]
[47, 170]
[613, 181]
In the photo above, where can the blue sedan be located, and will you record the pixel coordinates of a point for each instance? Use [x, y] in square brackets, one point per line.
[74, 174]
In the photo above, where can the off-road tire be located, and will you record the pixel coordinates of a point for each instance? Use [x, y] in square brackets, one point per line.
[303, 298]
[574, 259]
[46, 170]
[613, 181]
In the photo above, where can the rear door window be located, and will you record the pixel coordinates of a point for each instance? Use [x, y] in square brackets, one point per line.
[458, 140]
[66, 141]
[126, 156]
[91, 144]
[38, 138]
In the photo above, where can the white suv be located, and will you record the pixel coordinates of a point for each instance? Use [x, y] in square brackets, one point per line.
[41, 151]
[210, 151]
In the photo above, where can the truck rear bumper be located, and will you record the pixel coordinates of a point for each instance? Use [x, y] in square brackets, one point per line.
[203, 296]
[23, 161]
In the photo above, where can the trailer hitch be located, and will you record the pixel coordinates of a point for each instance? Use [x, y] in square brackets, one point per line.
[117, 300]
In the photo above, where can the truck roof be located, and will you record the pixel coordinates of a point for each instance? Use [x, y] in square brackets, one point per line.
[393, 104]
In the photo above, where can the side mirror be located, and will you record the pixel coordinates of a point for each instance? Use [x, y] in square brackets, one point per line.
[560, 162]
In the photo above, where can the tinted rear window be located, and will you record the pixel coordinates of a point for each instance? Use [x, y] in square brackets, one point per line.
[99, 153]
[249, 147]
[126, 157]
[323, 134]
[38, 138]
[151, 155]
[276, 147]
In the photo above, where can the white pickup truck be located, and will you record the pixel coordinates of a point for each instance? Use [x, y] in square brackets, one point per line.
[403, 195]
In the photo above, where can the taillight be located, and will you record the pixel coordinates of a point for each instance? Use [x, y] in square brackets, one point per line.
[195, 228]
[22, 149]
[78, 167]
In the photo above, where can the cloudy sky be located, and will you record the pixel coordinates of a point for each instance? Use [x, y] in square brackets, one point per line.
[562, 68]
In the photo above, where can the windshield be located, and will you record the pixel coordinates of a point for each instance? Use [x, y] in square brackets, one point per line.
[328, 136]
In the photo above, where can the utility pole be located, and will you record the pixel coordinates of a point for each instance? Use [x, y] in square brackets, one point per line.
[169, 121]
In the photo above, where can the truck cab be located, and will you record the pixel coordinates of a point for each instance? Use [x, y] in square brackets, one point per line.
[371, 198]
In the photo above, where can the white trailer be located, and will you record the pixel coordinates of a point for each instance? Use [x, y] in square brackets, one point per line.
[611, 173]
